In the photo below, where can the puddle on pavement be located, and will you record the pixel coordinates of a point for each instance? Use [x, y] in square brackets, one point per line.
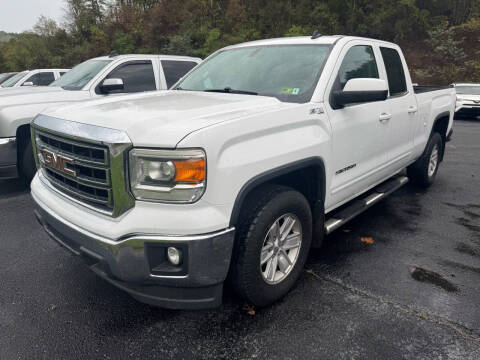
[432, 277]
[467, 249]
[471, 217]
[461, 266]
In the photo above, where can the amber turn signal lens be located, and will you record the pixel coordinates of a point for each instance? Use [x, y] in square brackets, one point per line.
[191, 171]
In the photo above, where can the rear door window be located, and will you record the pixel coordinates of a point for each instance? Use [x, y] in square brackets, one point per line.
[395, 73]
[174, 70]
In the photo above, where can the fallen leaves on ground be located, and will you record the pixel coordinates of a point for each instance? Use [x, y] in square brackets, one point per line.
[249, 309]
[367, 240]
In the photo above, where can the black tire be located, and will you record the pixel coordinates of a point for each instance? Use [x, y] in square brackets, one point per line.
[27, 164]
[418, 172]
[262, 208]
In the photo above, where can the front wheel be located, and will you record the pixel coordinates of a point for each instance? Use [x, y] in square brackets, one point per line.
[272, 244]
[27, 165]
[424, 170]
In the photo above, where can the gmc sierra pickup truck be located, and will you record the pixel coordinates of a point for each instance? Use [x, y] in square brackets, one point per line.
[239, 169]
[96, 77]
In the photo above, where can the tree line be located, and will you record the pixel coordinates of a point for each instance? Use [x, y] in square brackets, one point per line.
[440, 38]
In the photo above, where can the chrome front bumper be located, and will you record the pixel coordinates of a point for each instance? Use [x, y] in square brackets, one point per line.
[138, 264]
[8, 158]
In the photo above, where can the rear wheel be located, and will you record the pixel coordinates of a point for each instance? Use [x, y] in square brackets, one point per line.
[272, 244]
[424, 170]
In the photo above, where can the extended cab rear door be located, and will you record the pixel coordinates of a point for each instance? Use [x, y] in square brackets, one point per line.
[402, 106]
[359, 146]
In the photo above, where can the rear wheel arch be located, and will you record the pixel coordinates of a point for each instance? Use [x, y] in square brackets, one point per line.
[440, 126]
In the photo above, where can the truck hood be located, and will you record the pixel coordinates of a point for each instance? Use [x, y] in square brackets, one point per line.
[163, 118]
[43, 95]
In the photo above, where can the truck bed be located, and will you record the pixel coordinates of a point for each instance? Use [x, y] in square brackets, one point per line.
[419, 89]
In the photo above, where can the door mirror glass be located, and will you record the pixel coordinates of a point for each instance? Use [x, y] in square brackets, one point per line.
[27, 83]
[110, 85]
[360, 91]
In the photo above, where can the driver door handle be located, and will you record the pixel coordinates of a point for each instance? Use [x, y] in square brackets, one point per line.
[384, 117]
[412, 109]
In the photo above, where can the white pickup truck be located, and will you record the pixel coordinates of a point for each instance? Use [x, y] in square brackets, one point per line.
[93, 78]
[245, 164]
[37, 77]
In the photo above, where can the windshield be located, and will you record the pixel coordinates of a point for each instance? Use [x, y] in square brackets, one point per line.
[468, 90]
[287, 72]
[14, 79]
[4, 76]
[80, 75]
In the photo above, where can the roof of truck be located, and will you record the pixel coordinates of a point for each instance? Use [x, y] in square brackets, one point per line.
[304, 40]
[148, 56]
[44, 70]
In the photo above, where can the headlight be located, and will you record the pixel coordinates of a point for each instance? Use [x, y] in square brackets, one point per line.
[176, 176]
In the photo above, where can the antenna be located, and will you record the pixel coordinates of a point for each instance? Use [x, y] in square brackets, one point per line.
[316, 35]
[113, 53]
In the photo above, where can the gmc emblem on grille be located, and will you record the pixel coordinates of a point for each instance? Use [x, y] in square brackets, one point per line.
[57, 162]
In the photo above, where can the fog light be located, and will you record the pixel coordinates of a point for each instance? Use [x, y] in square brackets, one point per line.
[174, 255]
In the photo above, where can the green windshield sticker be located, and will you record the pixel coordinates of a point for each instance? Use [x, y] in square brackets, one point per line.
[290, 91]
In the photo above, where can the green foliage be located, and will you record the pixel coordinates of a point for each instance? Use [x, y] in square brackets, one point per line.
[5, 37]
[123, 43]
[440, 37]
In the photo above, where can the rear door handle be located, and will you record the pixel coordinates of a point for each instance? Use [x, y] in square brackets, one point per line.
[412, 109]
[384, 117]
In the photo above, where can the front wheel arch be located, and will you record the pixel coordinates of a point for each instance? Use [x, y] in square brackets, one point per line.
[307, 176]
[280, 175]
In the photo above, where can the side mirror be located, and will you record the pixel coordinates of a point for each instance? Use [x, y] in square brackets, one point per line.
[361, 91]
[28, 83]
[109, 85]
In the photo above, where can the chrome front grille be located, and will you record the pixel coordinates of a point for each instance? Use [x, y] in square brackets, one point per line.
[85, 163]
[85, 175]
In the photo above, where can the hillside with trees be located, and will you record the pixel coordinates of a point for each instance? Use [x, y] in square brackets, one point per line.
[441, 38]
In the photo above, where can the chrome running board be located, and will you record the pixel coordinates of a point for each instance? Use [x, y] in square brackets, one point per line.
[358, 206]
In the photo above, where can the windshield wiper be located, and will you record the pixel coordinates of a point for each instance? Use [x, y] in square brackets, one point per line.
[229, 90]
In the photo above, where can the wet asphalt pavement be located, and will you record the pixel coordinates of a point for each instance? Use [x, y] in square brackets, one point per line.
[400, 281]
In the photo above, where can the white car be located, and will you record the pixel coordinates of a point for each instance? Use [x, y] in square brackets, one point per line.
[468, 100]
[5, 76]
[239, 169]
[38, 77]
[94, 78]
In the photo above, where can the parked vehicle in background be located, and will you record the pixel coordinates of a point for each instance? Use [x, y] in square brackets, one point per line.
[468, 100]
[249, 160]
[93, 78]
[5, 76]
[38, 77]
